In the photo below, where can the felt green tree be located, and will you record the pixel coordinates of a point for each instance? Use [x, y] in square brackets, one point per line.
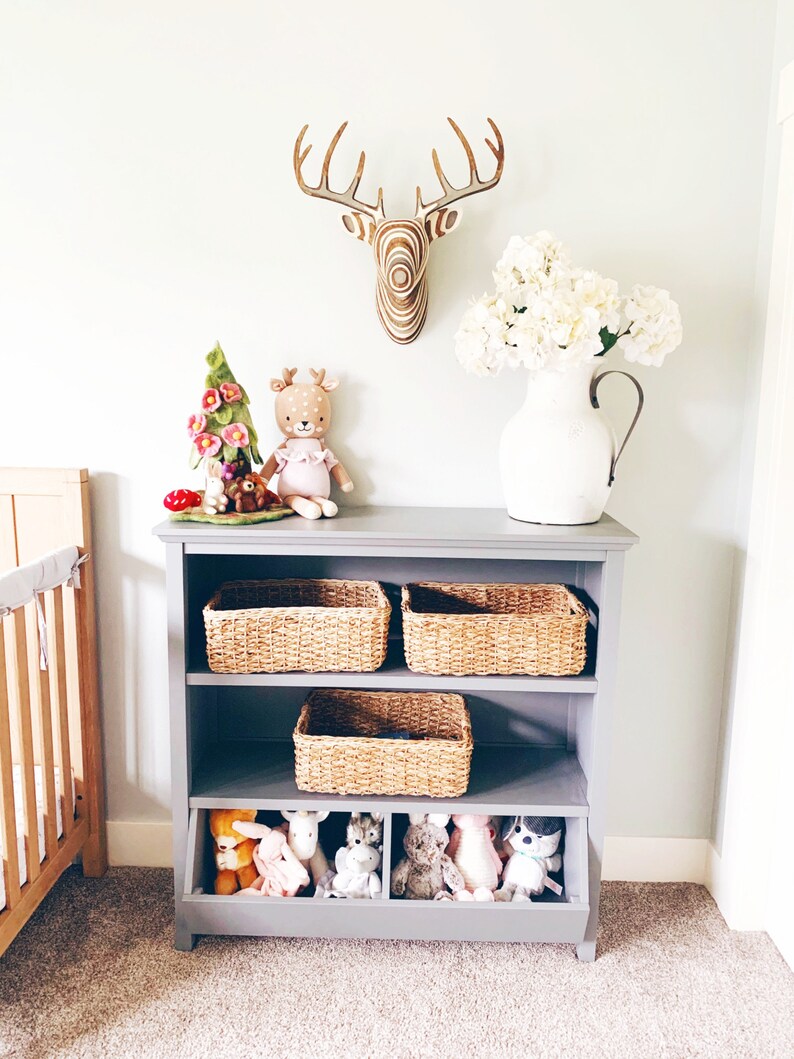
[223, 428]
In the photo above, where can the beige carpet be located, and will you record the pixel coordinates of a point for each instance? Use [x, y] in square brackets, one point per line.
[94, 974]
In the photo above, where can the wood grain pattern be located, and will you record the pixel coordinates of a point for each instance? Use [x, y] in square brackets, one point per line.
[21, 681]
[58, 698]
[8, 830]
[401, 246]
[49, 718]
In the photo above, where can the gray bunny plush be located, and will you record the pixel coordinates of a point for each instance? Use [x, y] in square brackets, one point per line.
[426, 871]
[535, 841]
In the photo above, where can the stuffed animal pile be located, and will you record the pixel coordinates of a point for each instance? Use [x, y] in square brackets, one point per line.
[484, 859]
[357, 863]
[467, 866]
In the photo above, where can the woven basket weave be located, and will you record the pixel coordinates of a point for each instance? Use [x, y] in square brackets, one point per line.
[290, 625]
[337, 752]
[534, 630]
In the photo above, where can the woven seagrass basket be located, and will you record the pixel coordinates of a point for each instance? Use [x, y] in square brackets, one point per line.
[292, 625]
[337, 749]
[534, 630]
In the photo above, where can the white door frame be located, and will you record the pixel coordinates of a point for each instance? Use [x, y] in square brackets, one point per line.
[754, 857]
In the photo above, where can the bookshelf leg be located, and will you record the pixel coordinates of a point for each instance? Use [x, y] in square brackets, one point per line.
[586, 951]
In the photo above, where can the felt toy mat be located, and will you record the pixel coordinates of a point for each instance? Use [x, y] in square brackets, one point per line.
[233, 518]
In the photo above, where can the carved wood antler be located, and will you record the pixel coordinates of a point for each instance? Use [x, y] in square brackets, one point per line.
[400, 246]
[452, 194]
[323, 191]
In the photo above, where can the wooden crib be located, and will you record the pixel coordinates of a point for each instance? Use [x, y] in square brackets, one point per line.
[49, 718]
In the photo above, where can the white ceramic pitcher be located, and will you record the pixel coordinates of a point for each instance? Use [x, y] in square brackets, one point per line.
[558, 453]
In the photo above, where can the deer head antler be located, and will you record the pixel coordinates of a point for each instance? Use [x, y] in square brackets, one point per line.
[452, 194]
[322, 191]
[318, 376]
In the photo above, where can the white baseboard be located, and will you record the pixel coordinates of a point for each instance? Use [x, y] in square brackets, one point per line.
[740, 901]
[631, 859]
[142, 844]
[655, 859]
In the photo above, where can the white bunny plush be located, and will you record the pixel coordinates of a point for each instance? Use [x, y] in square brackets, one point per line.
[215, 498]
[357, 863]
[534, 841]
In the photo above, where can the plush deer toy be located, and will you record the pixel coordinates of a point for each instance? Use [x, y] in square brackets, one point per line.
[305, 466]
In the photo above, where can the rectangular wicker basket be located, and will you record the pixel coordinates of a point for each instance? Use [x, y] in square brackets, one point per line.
[295, 624]
[533, 630]
[338, 749]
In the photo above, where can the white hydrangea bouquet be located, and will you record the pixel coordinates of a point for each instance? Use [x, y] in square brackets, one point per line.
[548, 313]
[559, 452]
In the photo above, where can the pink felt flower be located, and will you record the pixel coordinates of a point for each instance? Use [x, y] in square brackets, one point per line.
[211, 401]
[230, 392]
[207, 444]
[235, 435]
[196, 424]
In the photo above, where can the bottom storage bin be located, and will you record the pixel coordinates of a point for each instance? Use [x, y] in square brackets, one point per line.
[554, 917]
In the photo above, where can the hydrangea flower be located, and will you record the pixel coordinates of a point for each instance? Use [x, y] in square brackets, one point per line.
[230, 392]
[532, 262]
[480, 343]
[211, 401]
[207, 444]
[196, 424]
[546, 313]
[654, 326]
[235, 435]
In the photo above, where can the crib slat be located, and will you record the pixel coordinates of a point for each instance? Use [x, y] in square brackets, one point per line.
[20, 674]
[8, 829]
[58, 694]
[73, 696]
[41, 709]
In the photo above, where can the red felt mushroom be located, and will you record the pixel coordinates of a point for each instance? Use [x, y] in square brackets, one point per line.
[181, 499]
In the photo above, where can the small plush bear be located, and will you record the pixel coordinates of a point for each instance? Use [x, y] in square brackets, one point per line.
[248, 493]
[234, 853]
[426, 870]
[535, 841]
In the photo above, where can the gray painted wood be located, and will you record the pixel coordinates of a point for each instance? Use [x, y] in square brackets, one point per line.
[393, 674]
[433, 527]
[395, 544]
[543, 782]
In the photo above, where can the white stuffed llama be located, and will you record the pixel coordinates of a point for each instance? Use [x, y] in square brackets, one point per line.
[303, 839]
[305, 466]
[534, 841]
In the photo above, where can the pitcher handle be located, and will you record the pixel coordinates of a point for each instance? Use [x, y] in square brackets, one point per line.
[640, 402]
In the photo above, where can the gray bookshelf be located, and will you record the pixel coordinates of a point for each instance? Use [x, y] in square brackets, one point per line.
[541, 743]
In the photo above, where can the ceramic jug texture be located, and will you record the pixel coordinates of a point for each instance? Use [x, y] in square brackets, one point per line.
[557, 452]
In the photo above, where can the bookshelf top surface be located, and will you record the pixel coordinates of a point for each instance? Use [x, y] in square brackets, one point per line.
[418, 526]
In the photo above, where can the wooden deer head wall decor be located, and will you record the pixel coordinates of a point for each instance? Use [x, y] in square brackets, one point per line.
[401, 246]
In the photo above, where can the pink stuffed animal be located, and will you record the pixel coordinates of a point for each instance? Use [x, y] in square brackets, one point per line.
[304, 463]
[471, 850]
[281, 874]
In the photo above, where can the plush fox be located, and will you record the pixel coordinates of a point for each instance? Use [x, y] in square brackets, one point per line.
[234, 853]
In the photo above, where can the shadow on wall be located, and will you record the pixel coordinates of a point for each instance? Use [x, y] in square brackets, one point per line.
[346, 400]
[124, 635]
